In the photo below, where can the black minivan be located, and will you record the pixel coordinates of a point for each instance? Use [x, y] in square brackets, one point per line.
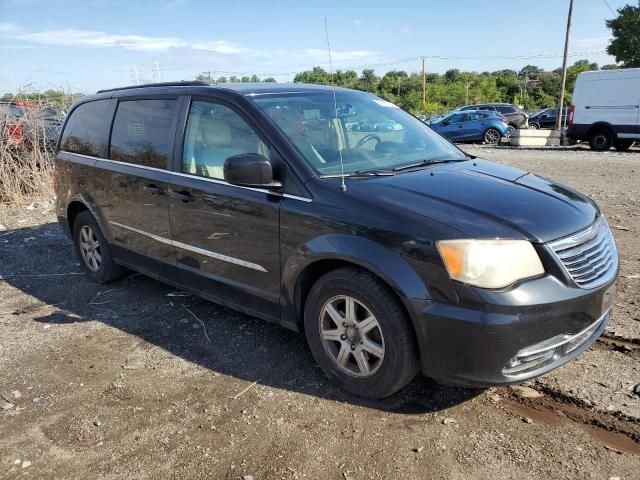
[393, 250]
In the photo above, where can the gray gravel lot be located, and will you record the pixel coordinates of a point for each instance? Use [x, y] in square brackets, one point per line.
[119, 381]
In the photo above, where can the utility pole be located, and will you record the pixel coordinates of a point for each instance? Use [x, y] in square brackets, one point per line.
[564, 68]
[424, 85]
[399, 79]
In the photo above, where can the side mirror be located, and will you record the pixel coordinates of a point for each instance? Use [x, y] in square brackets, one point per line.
[445, 123]
[250, 170]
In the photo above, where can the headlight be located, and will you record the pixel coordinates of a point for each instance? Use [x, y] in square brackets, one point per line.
[490, 263]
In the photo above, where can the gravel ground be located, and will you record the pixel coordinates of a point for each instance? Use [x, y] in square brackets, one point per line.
[133, 380]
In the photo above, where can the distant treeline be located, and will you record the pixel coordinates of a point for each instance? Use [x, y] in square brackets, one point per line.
[532, 87]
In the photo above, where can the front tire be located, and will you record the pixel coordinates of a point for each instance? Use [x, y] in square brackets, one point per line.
[359, 334]
[601, 140]
[93, 250]
[491, 136]
[534, 126]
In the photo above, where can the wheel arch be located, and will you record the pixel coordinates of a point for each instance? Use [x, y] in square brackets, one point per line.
[601, 126]
[320, 257]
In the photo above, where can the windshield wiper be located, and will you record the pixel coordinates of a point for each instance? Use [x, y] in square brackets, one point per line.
[425, 163]
[372, 173]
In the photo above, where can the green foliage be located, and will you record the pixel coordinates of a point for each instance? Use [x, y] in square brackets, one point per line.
[625, 29]
[451, 90]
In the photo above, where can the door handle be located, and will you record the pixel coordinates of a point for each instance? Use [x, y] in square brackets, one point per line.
[183, 195]
[153, 189]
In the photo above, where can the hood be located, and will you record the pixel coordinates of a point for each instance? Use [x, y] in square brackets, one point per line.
[484, 200]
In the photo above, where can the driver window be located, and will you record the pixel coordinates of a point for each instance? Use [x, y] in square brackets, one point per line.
[457, 118]
[213, 134]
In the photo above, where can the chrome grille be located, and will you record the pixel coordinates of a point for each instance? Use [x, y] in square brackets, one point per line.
[589, 256]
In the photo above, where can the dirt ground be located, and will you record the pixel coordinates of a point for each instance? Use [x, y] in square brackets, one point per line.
[135, 380]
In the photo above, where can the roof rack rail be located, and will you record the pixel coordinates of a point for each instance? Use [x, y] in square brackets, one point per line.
[182, 83]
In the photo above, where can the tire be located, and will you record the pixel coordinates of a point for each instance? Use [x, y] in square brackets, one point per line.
[622, 145]
[600, 140]
[491, 136]
[389, 334]
[534, 126]
[93, 250]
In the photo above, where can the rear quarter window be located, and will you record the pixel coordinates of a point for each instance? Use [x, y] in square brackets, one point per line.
[506, 109]
[142, 132]
[87, 129]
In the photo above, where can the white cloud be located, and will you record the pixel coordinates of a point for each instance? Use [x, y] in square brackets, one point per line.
[357, 23]
[91, 38]
[406, 29]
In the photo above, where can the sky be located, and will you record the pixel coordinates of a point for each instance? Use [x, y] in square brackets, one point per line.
[86, 45]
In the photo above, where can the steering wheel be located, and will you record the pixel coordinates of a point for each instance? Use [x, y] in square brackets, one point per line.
[366, 138]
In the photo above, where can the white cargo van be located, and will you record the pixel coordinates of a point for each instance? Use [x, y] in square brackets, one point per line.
[605, 109]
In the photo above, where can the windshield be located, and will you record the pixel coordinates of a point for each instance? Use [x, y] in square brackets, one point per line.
[371, 133]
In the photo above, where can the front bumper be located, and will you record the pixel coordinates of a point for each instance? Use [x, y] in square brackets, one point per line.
[514, 336]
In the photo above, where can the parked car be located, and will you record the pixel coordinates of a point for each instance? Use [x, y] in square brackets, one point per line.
[605, 109]
[387, 126]
[10, 124]
[472, 126]
[27, 124]
[392, 256]
[547, 118]
[516, 117]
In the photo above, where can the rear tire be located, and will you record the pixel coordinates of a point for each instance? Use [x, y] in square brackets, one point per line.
[491, 136]
[601, 140]
[93, 251]
[377, 336]
[534, 126]
[623, 145]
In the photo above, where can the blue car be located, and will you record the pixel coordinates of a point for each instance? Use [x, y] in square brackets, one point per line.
[472, 126]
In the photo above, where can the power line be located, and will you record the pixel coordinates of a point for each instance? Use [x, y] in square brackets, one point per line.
[609, 7]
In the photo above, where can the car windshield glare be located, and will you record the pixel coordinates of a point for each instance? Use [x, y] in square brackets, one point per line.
[369, 133]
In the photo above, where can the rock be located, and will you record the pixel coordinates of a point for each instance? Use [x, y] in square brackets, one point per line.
[31, 206]
[495, 397]
[633, 276]
[527, 420]
[26, 464]
[417, 450]
[7, 405]
[636, 390]
[97, 423]
[247, 477]
[525, 392]
[621, 227]
[16, 394]
[3, 228]
[36, 399]
[448, 421]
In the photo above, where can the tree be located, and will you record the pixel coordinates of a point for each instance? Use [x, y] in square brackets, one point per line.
[625, 29]
[369, 81]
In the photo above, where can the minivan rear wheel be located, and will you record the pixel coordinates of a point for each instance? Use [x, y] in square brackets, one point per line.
[93, 250]
[359, 334]
[600, 140]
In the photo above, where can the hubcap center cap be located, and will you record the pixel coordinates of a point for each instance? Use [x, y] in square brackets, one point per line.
[352, 333]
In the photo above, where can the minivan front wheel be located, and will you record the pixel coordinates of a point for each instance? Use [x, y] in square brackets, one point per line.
[359, 335]
[93, 250]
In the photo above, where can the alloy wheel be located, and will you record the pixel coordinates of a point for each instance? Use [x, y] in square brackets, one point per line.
[352, 336]
[90, 248]
[491, 136]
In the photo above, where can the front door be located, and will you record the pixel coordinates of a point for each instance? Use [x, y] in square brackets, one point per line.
[226, 237]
